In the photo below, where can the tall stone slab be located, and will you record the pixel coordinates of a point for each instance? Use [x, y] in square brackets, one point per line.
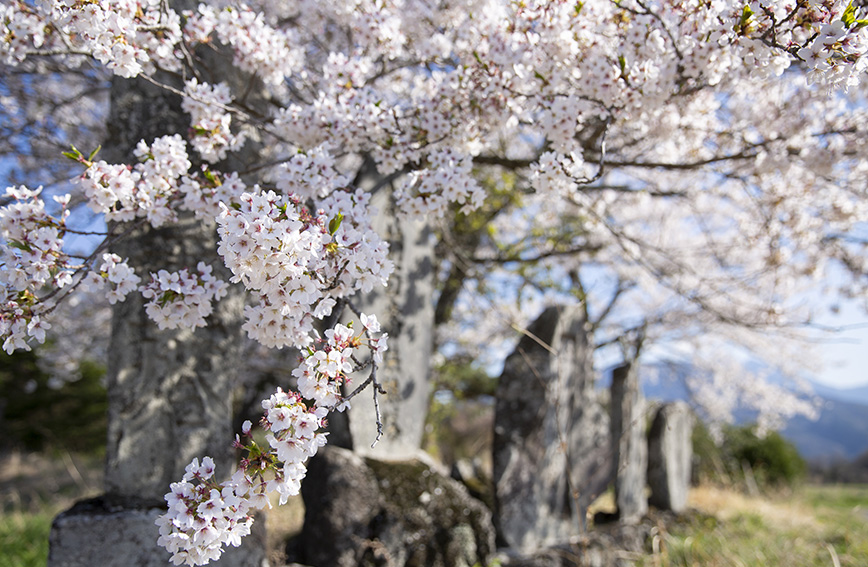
[169, 391]
[629, 444]
[406, 312]
[670, 453]
[550, 434]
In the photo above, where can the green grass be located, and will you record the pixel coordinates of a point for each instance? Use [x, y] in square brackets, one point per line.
[34, 488]
[816, 526]
[24, 538]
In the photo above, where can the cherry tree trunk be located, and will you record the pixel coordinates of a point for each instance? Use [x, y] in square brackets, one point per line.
[405, 310]
[170, 392]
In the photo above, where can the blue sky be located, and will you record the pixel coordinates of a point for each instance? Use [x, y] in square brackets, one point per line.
[845, 360]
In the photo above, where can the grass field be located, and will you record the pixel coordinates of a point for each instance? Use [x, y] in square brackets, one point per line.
[34, 489]
[813, 526]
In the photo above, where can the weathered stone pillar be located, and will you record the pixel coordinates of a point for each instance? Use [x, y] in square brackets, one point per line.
[405, 310]
[549, 436]
[629, 444]
[669, 456]
[170, 392]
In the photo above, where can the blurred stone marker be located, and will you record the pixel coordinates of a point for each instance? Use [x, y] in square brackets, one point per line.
[550, 436]
[670, 455]
[629, 444]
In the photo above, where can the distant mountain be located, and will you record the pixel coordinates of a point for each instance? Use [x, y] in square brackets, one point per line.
[840, 431]
[858, 395]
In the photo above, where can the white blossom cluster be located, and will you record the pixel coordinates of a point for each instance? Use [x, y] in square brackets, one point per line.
[31, 259]
[203, 193]
[210, 122]
[311, 174]
[203, 515]
[446, 180]
[260, 49]
[147, 189]
[558, 174]
[182, 299]
[114, 271]
[122, 34]
[319, 375]
[298, 263]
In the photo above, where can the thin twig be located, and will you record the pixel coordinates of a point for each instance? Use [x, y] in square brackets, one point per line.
[378, 389]
[371, 379]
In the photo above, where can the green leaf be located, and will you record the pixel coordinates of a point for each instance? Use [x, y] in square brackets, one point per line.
[849, 16]
[74, 155]
[93, 153]
[20, 245]
[745, 15]
[335, 223]
[622, 62]
[209, 175]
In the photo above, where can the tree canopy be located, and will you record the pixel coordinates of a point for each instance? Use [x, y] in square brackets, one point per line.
[687, 170]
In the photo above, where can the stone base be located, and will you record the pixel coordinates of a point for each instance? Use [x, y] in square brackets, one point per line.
[97, 532]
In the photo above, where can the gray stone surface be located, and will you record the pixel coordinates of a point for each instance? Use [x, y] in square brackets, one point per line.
[341, 498]
[629, 444]
[670, 454]
[406, 312]
[402, 514]
[170, 392]
[590, 457]
[96, 533]
[550, 436]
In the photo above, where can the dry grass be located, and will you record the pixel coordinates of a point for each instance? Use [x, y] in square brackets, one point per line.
[813, 526]
[33, 489]
[30, 481]
[727, 504]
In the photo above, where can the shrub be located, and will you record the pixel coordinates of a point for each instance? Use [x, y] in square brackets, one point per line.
[39, 413]
[773, 461]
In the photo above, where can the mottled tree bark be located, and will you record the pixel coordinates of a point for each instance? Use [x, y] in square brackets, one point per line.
[170, 392]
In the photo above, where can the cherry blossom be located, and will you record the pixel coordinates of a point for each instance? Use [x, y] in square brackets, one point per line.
[203, 515]
[688, 171]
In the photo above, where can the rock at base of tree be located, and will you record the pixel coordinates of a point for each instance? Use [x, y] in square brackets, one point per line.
[98, 532]
[371, 513]
[470, 473]
[670, 456]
